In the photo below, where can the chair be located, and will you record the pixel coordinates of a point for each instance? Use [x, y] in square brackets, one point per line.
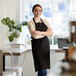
[72, 52]
[6, 73]
[72, 38]
[17, 69]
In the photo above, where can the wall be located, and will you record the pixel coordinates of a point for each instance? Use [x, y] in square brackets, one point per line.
[8, 8]
[3, 36]
[12, 9]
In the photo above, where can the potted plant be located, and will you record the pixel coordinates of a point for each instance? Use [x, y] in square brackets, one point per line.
[15, 27]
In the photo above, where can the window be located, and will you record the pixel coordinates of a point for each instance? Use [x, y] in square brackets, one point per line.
[57, 12]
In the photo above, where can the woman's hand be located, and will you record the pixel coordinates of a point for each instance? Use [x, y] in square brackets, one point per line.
[48, 32]
[37, 32]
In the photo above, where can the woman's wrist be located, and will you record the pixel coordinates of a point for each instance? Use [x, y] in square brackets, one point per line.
[42, 33]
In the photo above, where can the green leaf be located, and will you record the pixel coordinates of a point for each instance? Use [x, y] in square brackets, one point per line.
[24, 23]
[11, 38]
[4, 21]
[20, 26]
[20, 30]
[12, 21]
[16, 34]
[11, 27]
[7, 20]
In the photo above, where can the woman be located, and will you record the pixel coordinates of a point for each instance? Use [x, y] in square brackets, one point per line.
[40, 29]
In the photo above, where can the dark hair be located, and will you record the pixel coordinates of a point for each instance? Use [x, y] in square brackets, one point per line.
[36, 5]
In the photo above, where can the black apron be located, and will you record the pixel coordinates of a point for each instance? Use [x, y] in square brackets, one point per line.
[41, 49]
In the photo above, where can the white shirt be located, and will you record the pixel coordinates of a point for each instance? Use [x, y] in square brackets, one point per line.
[31, 26]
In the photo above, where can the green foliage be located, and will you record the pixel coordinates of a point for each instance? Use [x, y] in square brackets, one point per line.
[55, 40]
[11, 37]
[24, 23]
[15, 27]
[50, 40]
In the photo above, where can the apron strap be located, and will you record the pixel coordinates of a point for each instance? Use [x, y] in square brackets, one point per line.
[35, 22]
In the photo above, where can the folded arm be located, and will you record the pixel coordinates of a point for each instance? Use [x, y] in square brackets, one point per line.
[48, 32]
[39, 34]
[33, 32]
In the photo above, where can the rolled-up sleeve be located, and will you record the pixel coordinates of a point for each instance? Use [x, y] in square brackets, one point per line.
[31, 27]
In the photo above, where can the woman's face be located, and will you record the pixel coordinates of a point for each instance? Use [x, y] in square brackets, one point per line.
[37, 11]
